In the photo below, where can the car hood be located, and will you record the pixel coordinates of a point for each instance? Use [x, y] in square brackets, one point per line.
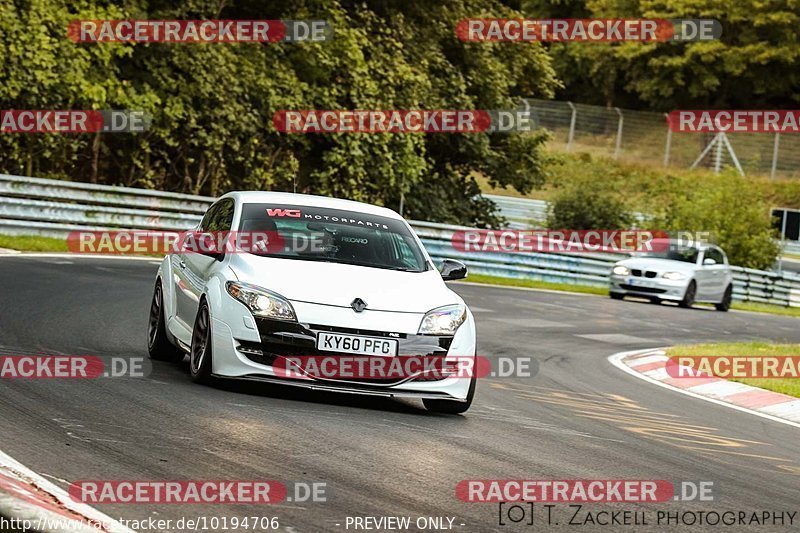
[659, 265]
[339, 284]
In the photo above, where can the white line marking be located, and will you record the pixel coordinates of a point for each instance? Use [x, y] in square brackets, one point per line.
[614, 338]
[14, 469]
[616, 360]
[721, 388]
[646, 360]
[77, 256]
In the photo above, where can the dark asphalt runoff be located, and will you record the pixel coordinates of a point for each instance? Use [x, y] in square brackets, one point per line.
[579, 417]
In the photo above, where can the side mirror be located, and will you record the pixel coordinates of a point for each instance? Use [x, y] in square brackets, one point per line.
[709, 261]
[452, 269]
[204, 243]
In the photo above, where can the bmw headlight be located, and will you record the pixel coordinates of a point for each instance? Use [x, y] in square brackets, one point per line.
[443, 320]
[674, 276]
[621, 270]
[261, 302]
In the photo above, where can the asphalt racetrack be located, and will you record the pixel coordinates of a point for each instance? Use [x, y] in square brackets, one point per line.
[578, 417]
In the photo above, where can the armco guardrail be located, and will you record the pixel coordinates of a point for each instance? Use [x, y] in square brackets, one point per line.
[521, 213]
[54, 208]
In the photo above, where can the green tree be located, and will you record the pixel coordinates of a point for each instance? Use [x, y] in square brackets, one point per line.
[212, 104]
[752, 66]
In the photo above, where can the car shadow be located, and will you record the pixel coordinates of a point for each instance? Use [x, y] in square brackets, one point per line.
[667, 303]
[298, 394]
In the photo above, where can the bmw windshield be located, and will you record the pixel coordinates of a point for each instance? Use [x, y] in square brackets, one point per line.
[331, 235]
[686, 254]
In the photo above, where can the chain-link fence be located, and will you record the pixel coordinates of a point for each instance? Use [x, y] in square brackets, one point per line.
[643, 136]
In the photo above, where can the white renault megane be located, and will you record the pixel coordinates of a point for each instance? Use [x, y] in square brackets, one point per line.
[327, 277]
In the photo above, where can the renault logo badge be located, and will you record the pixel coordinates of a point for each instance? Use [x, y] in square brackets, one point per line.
[358, 305]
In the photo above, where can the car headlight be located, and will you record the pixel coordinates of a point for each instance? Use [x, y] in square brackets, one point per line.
[620, 270]
[261, 302]
[443, 320]
[674, 276]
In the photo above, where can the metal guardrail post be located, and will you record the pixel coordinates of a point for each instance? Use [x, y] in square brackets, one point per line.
[619, 132]
[571, 125]
[775, 146]
[668, 146]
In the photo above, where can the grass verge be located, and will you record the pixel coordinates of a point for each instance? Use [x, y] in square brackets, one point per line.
[790, 386]
[536, 284]
[33, 243]
[588, 289]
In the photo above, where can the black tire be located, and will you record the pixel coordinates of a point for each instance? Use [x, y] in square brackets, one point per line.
[452, 407]
[691, 293]
[200, 356]
[616, 295]
[725, 304]
[159, 347]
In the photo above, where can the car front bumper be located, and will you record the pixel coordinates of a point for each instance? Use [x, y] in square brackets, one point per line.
[649, 287]
[246, 348]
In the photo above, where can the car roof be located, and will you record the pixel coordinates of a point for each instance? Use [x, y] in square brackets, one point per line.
[310, 200]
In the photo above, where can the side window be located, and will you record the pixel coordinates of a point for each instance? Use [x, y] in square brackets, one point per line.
[716, 255]
[219, 217]
[403, 251]
[209, 213]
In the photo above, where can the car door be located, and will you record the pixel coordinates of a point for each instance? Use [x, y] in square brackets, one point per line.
[186, 301]
[703, 277]
[718, 279]
[198, 268]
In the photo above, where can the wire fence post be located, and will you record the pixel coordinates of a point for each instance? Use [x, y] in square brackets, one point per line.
[619, 133]
[718, 155]
[775, 145]
[571, 125]
[668, 146]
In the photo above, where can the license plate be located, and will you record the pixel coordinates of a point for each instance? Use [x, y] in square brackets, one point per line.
[334, 342]
[638, 282]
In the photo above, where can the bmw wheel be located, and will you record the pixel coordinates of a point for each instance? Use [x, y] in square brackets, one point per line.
[689, 296]
[159, 346]
[200, 356]
[725, 304]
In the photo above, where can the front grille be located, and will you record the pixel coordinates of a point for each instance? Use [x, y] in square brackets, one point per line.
[650, 274]
[354, 331]
[636, 288]
[636, 272]
[647, 273]
[291, 339]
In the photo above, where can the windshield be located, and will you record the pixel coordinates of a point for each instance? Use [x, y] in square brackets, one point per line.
[331, 235]
[686, 254]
